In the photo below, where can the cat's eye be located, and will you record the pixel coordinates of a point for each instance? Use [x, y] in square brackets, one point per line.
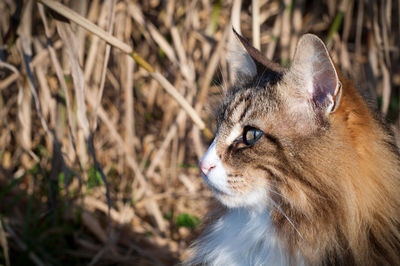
[251, 135]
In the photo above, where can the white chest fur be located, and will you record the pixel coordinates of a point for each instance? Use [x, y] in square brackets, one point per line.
[241, 237]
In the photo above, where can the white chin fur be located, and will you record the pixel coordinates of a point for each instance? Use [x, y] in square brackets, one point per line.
[255, 199]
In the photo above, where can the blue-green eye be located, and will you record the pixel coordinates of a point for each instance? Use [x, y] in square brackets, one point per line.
[251, 135]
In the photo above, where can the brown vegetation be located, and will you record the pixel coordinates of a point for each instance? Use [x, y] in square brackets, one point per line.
[99, 142]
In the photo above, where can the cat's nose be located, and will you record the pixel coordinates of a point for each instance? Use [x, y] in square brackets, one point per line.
[206, 166]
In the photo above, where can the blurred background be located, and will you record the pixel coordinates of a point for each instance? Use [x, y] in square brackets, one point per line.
[98, 155]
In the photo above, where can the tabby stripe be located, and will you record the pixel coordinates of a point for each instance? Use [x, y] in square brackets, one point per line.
[285, 173]
[295, 174]
[300, 177]
[246, 110]
[307, 183]
[281, 168]
[269, 171]
[233, 107]
[274, 140]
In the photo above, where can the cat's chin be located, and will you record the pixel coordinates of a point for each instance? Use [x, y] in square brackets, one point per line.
[254, 199]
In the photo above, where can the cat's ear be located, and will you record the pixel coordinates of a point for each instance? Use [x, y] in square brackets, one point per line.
[245, 61]
[241, 65]
[315, 73]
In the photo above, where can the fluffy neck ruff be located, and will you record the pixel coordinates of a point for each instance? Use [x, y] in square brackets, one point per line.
[242, 237]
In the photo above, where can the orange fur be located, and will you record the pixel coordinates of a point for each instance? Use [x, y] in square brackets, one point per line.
[329, 167]
[358, 171]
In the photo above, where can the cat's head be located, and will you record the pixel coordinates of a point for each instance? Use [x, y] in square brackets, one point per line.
[263, 117]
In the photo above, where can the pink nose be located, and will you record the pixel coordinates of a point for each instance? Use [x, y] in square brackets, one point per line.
[206, 166]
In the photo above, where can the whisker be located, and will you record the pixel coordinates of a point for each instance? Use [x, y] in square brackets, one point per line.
[260, 77]
[287, 218]
[277, 193]
[222, 82]
[273, 191]
[238, 182]
[305, 215]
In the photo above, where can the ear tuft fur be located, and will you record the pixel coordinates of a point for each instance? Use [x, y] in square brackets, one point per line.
[246, 62]
[241, 65]
[260, 60]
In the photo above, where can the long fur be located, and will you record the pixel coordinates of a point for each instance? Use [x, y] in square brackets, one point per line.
[332, 182]
[241, 237]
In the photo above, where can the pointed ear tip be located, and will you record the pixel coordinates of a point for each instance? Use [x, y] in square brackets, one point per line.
[310, 38]
[235, 32]
[237, 35]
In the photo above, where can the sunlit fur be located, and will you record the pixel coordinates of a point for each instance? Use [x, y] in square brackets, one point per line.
[330, 182]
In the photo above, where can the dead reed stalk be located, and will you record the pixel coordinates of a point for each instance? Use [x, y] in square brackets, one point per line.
[106, 107]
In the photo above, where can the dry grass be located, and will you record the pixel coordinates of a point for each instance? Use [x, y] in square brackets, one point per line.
[104, 115]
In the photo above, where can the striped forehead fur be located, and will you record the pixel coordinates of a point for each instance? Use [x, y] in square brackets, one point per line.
[257, 95]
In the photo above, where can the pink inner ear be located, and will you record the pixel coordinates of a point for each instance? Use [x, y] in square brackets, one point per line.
[313, 65]
[324, 86]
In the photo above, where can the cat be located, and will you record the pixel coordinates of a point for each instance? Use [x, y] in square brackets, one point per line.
[306, 171]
